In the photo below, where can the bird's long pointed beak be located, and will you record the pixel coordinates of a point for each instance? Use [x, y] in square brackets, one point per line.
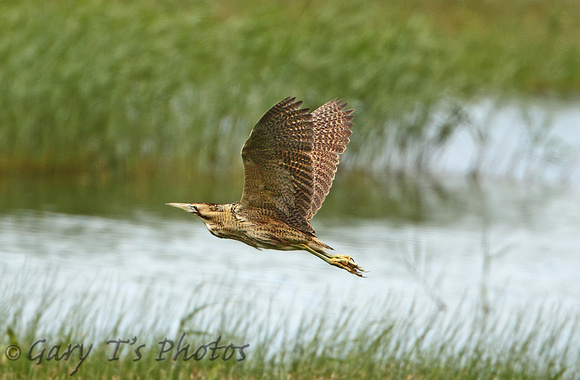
[183, 206]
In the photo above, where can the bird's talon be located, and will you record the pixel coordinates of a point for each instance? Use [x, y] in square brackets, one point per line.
[346, 262]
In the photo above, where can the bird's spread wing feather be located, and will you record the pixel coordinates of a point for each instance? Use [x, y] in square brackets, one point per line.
[332, 130]
[278, 164]
[290, 160]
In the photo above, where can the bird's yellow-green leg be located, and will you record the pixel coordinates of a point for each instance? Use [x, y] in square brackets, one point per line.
[342, 261]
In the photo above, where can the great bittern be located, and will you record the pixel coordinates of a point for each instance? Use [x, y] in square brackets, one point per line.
[290, 160]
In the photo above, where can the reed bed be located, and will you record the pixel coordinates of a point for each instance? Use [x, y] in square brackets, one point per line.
[137, 88]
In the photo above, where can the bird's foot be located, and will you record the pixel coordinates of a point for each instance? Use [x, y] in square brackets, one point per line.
[347, 263]
[341, 261]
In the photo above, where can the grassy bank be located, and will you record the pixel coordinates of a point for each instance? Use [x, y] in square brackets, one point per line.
[530, 343]
[137, 87]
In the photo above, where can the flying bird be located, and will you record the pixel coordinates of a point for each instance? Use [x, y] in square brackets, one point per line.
[290, 160]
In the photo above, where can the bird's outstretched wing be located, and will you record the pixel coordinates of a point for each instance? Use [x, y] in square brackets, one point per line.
[290, 160]
[279, 167]
[332, 130]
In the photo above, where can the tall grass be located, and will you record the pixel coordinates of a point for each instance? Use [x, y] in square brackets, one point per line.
[529, 343]
[140, 87]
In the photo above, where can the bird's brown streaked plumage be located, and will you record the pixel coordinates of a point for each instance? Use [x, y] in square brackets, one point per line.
[332, 130]
[290, 160]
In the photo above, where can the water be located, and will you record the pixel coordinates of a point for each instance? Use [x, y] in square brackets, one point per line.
[436, 241]
[525, 141]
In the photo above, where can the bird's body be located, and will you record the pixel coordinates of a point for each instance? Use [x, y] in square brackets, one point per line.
[290, 160]
[230, 221]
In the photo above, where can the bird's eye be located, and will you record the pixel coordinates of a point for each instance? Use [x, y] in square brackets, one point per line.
[193, 208]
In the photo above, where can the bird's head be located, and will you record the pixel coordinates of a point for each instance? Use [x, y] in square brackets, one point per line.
[205, 211]
[192, 208]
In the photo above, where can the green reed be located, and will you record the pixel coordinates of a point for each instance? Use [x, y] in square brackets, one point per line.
[416, 341]
[136, 87]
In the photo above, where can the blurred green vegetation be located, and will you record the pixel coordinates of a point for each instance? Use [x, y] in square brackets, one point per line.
[144, 87]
